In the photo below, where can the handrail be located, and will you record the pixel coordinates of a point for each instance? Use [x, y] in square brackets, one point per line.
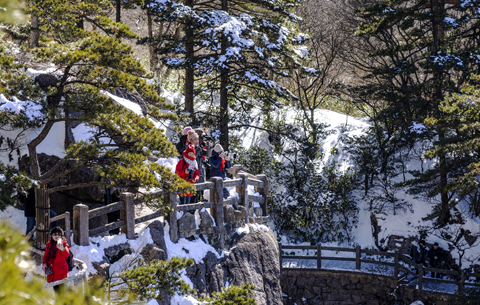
[358, 259]
[81, 275]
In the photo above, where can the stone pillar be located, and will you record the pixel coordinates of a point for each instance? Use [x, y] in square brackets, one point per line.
[217, 211]
[128, 215]
[67, 228]
[42, 217]
[264, 191]
[172, 217]
[80, 225]
[242, 191]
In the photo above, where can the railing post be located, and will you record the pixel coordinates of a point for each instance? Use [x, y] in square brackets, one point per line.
[420, 277]
[395, 268]
[357, 258]
[461, 283]
[172, 219]
[217, 211]
[242, 191]
[264, 192]
[235, 169]
[280, 256]
[80, 225]
[319, 256]
[67, 228]
[42, 217]
[128, 215]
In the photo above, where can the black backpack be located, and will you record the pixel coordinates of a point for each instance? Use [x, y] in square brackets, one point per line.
[70, 260]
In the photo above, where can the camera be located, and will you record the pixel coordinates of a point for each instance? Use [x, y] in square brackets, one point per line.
[190, 174]
[231, 155]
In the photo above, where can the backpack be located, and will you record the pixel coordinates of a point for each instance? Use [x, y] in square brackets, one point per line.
[69, 260]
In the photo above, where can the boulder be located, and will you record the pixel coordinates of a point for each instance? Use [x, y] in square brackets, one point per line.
[229, 214]
[206, 221]
[258, 211]
[240, 217]
[116, 252]
[46, 80]
[103, 269]
[186, 225]
[254, 259]
[151, 252]
[158, 234]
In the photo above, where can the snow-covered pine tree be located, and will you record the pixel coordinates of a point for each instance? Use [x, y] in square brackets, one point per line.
[420, 51]
[239, 48]
[87, 65]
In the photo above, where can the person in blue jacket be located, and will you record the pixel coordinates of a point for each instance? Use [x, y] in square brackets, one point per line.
[219, 163]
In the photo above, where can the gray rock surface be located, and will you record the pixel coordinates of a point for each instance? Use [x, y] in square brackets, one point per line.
[186, 225]
[158, 235]
[254, 259]
[151, 252]
[206, 222]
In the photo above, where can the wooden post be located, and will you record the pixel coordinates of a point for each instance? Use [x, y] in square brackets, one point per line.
[242, 191]
[235, 169]
[42, 217]
[264, 191]
[357, 258]
[217, 211]
[420, 277]
[395, 268]
[319, 256]
[280, 255]
[67, 228]
[128, 214]
[172, 218]
[80, 225]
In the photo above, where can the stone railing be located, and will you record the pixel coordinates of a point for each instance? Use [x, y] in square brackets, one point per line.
[231, 212]
[402, 265]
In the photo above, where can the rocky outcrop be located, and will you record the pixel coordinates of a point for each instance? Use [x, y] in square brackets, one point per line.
[253, 259]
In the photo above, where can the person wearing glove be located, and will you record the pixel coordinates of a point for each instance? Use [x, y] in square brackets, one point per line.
[187, 169]
[219, 163]
[54, 260]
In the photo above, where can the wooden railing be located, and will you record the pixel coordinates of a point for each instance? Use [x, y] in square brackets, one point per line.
[401, 263]
[81, 213]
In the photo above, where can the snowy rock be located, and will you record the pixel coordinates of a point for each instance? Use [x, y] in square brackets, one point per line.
[229, 214]
[158, 234]
[258, 211]
[186, 225]
[151, 252]
[254, 259]
[116, 252]
[103, 268]
[240, 217]
[206, 222]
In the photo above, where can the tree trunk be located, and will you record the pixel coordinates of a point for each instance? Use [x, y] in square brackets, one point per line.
[35, 33]
[118, 10]
[151, 49]
[438, 9]
[224, 93]
[190, 71]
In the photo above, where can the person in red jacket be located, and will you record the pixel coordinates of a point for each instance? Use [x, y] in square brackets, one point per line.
[187, 169]
[54, 261]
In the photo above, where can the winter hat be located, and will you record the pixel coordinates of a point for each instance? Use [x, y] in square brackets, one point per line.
[192, 136]
[56, 230]
[218, 148]
[186, 129]
[190, 149]
[199, 131]
[435, 244]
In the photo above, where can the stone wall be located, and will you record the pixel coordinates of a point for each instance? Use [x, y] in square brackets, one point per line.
[331, 287]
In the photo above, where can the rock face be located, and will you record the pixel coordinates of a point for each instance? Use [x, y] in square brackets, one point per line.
[254, 259]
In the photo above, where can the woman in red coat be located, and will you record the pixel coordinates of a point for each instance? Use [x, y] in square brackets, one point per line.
[54, 261]
[187, 169]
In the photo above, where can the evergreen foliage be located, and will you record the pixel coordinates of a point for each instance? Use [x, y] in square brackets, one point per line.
[149, 281]
[12, 182]
[419, 52]
[461, 121]
[11, 11]
[233, 295]
[237, 47]
[88, 64]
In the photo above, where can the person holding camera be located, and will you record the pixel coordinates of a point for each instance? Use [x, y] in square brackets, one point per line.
[55, 264]
[219, 163]
[187, 169]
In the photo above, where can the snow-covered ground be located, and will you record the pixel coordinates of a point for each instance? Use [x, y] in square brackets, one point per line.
[404, 222]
